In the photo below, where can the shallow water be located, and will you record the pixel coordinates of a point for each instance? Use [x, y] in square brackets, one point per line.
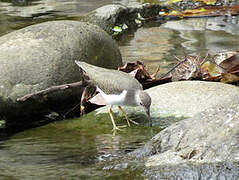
[70, 148]
[21, 13]
[74, 149]
[159, 44]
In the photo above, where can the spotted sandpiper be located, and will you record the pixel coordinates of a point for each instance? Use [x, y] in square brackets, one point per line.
[116, 88]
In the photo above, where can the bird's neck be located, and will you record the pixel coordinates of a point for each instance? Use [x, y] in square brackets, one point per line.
[137, 97]
[132, 97]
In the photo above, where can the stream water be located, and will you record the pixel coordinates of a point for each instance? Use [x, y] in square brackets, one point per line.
[74, 149]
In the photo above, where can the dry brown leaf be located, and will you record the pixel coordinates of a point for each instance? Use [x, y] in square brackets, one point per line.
[208, 2]
[188, 69]
[205, 11]
[229, 78]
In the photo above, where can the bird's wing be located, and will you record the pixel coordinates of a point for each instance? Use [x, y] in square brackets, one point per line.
[109, 80]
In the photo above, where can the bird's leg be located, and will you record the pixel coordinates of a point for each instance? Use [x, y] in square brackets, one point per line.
[127, 118]
[112, 119]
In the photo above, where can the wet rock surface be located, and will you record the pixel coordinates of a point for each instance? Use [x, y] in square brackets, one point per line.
[203, 146]
[117, 15]
[192, 171]
[40, 56]
[210, 136]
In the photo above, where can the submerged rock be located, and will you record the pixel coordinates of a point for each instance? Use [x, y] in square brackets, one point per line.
[40, 56]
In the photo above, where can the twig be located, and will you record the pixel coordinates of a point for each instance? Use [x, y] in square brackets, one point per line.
[51, 90]
[179, 60]
[204, 59]
[72, 109]
[153, 76]
[172, 69]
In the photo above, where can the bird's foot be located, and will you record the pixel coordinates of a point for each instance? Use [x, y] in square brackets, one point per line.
[118, 128]
[127, 118]
[132, 121]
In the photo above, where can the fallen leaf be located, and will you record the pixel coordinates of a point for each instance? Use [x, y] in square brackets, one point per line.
[208, 2]
[140, 17]
[175, 1]
[229, 78]
[138, 70]
[205, 11]
[124, 27]
[117, 29]
[137, 21]
[188, 68]
[211, 69]
[231, 63]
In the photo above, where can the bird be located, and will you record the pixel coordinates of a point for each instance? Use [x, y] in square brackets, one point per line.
[116, 88]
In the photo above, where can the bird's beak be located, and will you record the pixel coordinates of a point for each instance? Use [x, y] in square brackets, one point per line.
[147, 110]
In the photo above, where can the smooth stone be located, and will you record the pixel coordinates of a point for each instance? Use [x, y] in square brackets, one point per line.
[42, 55]
[109, 16]
[187, 98]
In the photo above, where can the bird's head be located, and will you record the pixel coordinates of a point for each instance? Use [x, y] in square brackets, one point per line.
[145, 101]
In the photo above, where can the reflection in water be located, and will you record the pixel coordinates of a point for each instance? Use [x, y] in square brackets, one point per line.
[204, 35]
[21, 13]
[70, 148]
[26, 8]
[157, 45]
[154, 46]
[22, 2]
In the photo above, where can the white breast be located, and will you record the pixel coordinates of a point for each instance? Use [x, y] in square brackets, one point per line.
[114, 99]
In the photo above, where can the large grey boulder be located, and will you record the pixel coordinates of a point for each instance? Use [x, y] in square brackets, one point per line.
[205, 146]
[187, 98]
[209, 137]
[129, 14]
[43, 55]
